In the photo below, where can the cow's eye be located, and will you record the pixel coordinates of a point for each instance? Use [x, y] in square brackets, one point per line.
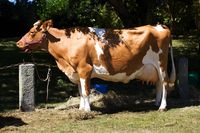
[32, 33]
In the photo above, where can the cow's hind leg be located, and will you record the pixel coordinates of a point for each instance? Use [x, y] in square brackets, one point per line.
[158, 93]
[161, 93]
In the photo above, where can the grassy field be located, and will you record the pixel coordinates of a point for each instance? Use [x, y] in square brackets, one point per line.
[143, 118]
[182, 120]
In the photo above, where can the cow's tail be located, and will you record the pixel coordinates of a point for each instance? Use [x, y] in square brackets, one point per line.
[172, 77]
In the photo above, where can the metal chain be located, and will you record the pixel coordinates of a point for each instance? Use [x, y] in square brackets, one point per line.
[10, 66]
[48, 79]
[38, 75]
[48, 73]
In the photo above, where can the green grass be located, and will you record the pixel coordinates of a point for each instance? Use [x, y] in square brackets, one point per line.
[186, 47]
[181, 120]
[175, 120]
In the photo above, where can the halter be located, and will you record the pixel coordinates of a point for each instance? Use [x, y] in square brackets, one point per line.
[30, 44]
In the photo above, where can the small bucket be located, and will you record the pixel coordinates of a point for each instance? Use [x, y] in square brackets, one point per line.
[102, 88]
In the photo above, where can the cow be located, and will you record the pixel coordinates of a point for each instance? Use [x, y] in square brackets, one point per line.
[117, 55]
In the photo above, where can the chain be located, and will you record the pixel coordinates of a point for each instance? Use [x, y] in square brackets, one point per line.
[44, 80]
[37, 72]
[17, 65]
[10, 66]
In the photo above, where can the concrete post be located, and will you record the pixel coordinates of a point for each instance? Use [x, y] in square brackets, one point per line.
[26, 87]
[183, 79]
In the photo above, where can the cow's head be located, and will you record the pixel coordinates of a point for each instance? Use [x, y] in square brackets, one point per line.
[36, 38]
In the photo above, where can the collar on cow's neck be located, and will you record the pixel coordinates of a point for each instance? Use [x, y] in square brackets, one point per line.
[29, 45]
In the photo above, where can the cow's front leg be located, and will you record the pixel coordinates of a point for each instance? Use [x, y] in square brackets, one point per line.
[84, 86]
[84, 95]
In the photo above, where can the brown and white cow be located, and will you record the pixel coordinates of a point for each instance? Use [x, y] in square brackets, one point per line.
[117, 55]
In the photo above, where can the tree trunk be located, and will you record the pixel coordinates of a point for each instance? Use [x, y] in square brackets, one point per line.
[123, 13]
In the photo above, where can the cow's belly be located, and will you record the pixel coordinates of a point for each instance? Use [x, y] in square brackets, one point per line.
[146, 73]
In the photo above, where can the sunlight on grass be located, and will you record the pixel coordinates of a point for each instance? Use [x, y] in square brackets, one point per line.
[8, 44]
[179, 43]
[166, 122]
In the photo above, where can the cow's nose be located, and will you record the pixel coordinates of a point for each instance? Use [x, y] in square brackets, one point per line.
[19, 44]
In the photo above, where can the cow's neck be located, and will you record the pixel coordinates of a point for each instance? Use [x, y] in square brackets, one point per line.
[56, 40]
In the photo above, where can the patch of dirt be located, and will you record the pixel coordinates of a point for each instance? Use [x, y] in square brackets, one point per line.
[76, 114]
[17, 121]
[103, 101]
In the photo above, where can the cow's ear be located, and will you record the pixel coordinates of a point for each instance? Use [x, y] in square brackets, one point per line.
[46, 25]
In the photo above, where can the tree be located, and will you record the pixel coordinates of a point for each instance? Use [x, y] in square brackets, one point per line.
[122, 12]
[79, 12]
[179, 15]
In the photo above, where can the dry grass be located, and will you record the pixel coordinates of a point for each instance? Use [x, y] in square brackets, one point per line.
[182, 120]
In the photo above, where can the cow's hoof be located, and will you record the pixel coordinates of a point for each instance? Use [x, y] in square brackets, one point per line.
[162, 110]
[85, 109]
[81, 108]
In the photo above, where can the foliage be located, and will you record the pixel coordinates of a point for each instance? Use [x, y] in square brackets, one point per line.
[82, 13]
[181, 15]
[47, 8]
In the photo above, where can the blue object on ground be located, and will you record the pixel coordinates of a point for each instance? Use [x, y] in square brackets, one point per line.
[102, 88]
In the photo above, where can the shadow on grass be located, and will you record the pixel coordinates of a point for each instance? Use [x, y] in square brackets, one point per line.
[146, 106]
[11, 121]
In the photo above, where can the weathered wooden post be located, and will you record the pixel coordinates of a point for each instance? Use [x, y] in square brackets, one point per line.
[183, 79]
[26, 87]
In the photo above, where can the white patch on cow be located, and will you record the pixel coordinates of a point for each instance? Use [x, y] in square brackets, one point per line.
[102, 73]
[159, 28]
[84, 101]
[83, 91]
[87, 103]
[99, 50]
[99, 32]
[152, 57]
[100, 70]
[164, 97]
[91, 29]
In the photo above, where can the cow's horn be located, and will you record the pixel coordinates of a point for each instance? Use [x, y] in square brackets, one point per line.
[38, 23]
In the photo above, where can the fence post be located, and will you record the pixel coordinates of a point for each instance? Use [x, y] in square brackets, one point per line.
[26, 87]
[183, 79]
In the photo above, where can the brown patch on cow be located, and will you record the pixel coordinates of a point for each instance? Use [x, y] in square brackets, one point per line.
[113, 37]
[52, 38]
